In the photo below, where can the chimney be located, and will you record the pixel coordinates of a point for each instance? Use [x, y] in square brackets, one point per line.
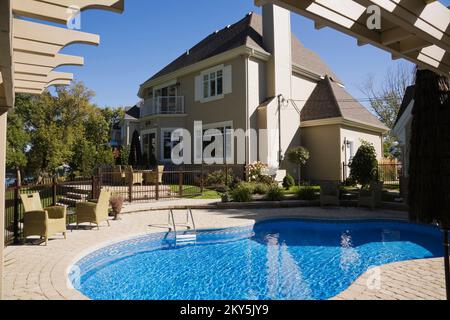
[277, 40]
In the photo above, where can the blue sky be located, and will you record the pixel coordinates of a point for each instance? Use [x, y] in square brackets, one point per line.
[151, 33]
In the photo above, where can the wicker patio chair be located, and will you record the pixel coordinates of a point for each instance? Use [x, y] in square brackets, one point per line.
[329, 194]
[371, 197]
[150, 177]
[43, 222]
[133, 177]
[92, 212]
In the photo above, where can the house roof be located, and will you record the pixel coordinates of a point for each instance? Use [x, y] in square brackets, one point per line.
[331, 100]
[407, 98]
[248, 32]
[133, 113]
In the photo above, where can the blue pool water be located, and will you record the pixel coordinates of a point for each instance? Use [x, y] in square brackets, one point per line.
[276, 260]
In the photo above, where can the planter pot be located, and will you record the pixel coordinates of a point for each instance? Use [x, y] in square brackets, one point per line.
[116, 205]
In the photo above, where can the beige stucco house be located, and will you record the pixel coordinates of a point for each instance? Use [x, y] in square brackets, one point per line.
[255, 74]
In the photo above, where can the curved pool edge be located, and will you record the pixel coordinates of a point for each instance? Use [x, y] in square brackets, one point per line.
[348, 293]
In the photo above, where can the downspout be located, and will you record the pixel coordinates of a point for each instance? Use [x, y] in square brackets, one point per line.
[280, 150]
[247, 120]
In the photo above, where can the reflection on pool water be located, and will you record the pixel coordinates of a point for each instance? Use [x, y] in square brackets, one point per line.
[276, 259]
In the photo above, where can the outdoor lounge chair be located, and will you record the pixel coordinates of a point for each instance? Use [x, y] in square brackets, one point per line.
[371, 197]
[133, 177]
[329, 194]
[150, 177]
[92, 212]
[43, 222]
[117, 175]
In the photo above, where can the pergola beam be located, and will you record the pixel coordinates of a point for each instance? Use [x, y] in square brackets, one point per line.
[400, 38]
[39, 32]
[44, 79]
[57, 11]
[6, 65]
[48, 61]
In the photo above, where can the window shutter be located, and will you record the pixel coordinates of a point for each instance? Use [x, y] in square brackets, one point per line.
[227, 80]
[198, 88]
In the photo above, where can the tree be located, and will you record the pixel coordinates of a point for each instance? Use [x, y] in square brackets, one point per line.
[429, 166]
[62, 129]
[364, 165]
[298, 156]
[385, 100]
[17, 140]
[135, 150]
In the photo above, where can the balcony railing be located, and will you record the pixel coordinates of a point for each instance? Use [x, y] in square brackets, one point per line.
[163, 105]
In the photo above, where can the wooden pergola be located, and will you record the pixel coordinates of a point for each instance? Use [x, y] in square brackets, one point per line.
[416, 30]
[29, 54]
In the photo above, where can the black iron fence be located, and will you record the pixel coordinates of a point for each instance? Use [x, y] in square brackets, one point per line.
[132, 184]
[389, 173]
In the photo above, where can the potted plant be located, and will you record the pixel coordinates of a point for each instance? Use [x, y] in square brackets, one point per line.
[116, 203]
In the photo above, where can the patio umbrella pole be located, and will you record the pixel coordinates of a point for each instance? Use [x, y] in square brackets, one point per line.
[447, 263]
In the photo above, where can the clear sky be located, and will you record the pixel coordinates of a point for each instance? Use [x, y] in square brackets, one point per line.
[151, 33]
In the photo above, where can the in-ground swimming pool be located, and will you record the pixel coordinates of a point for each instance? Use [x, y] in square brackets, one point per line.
[276, 259]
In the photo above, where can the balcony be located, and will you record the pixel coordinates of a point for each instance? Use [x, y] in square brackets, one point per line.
[163, 106]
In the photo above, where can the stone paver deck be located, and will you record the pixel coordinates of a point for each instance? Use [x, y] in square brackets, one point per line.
[39, 272]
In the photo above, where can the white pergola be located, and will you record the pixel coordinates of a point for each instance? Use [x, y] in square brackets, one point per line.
[416, 30]
[29, 54]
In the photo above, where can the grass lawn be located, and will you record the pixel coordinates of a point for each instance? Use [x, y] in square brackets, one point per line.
[294, 189]
[193, 192]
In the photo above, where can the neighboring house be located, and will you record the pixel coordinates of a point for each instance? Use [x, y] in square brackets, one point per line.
[240, 77]
[122, 133]
[402, 130]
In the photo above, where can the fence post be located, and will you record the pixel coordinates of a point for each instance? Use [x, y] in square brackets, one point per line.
[226, 174]
[16, 212]
[202, 183]
[54, 190]
[93, 187]
[157, 184]
[180, 183]
[343, 172]
[130, 185]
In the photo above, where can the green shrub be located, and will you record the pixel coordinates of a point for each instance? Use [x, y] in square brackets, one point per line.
[288, 182]
[219, 178]
[275, 193]
[260, 188]
[242, 193]
[307, 193]
[248, 185]
[364, 165]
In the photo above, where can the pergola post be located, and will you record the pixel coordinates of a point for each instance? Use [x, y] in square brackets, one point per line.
[3, 117]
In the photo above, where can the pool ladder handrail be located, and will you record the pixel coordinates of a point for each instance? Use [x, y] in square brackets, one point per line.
[173, 225]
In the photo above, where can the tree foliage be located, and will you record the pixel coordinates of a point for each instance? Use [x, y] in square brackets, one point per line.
[17, 139]
[385, 99]
[298, 156]
[364, 165]
[61, 129]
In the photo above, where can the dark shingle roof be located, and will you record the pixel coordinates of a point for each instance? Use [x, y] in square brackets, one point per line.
[133, 113]
[330, 100]
[247, 31]
[409, 96]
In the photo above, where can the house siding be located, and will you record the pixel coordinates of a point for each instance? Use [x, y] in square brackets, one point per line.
[232, 107]
[323, 143]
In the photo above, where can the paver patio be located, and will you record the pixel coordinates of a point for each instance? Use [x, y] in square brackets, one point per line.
[39, 272]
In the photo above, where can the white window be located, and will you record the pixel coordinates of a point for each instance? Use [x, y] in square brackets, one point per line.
[167, 144]
[224, 133]
[213, 84]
